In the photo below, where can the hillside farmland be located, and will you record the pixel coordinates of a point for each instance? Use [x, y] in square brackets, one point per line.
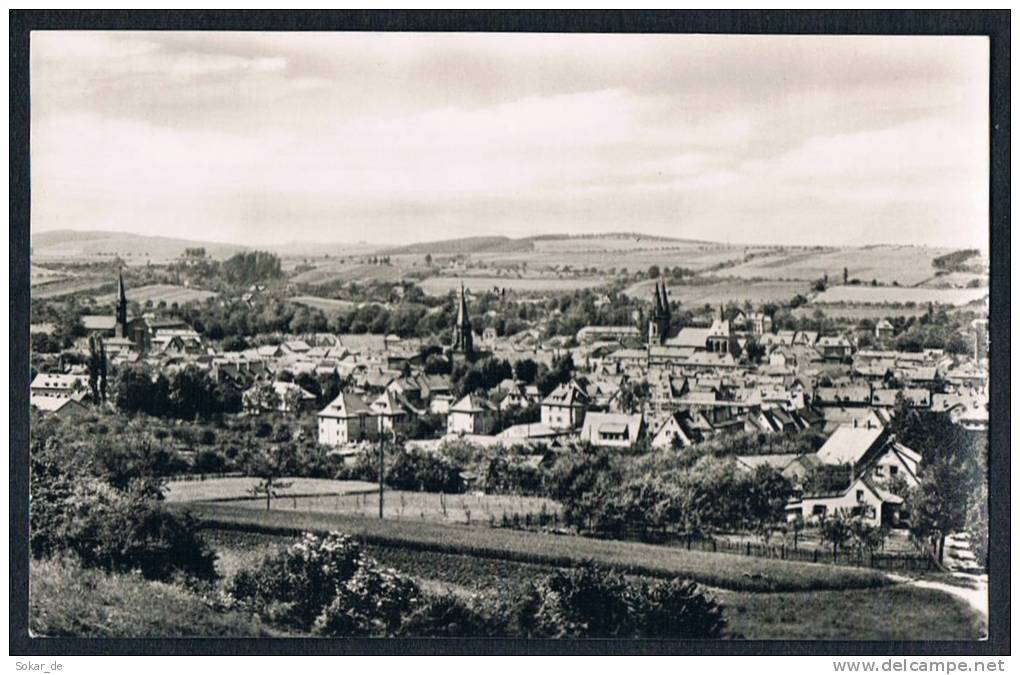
[167, 293]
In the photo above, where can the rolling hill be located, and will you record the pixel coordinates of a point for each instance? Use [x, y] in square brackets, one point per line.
[134, 248]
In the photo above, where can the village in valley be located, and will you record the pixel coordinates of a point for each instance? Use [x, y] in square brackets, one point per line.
[487, 412]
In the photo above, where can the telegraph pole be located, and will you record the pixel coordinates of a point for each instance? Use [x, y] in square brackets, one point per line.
[381, 436]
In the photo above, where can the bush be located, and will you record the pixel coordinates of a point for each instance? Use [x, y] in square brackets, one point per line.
[418, 470]
[294, 585]
[122, 531]
[587, 601]
[447, 615]
[678, 609]
[372, 602]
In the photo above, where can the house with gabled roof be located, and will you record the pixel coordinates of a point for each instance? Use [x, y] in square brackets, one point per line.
[872, 452]
[864, 499]
[565, 406]
[612, 430]
[471, 415]
[390, 413]
[676, 431]
[347, 419]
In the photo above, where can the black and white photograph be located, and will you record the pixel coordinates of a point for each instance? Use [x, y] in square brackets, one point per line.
[518, 335]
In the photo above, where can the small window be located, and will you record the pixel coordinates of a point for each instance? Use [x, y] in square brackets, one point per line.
[860, 496]
[818, 510]
[893, 470]
[879, 470]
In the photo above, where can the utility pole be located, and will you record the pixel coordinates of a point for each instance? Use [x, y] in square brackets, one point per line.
[381, 436]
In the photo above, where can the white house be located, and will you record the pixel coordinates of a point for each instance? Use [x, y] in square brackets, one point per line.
[613, 430]
[675, 432]
[390, 413]
[864, 499]
[471, 415]
[565, 406]
[346, 420]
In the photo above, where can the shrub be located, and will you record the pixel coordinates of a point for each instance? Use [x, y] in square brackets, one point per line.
[417, 470]
[447, 615]
[121, 531]
[587, 601]
[372, 602]
[678, 609]
[294, 585]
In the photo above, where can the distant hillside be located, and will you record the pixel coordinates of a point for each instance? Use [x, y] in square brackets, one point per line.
[132, 247]
[466, 245]
[526, 244]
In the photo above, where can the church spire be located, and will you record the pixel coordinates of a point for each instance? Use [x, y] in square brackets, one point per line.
[463, 339]
[120, 328]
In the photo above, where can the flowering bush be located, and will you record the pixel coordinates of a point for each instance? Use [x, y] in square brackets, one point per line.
[372, 602]
[295, 584]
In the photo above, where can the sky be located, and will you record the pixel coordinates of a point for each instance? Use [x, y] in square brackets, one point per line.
[270, 138]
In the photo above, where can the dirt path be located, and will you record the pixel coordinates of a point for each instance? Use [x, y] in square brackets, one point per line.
[974, 594]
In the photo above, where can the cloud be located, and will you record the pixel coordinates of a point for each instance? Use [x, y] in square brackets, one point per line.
[726, 137]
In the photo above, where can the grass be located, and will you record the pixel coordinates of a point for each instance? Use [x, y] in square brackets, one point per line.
[477, 284]
[400, 505]
[896, 613]
[872, 295]
[329, 306]
[719, 570]
[725, 290]
[858, 312]
[66, 600]
[168, 293]
[840, 614]
[239, 487]
[907, 265]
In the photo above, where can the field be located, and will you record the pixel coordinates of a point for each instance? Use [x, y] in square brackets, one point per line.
[404, 506]
[869, 295]
[328, 306]
[858, 312]
[320, 495]
[725, 290]
[336, 271]
[441, 285]
[898, 613]
[133, 249]
[239, 487]
[68, 286]
[166, 292]
[835, 614]
[42, 275]
[722, 571]
[65, 600]
[908, 265]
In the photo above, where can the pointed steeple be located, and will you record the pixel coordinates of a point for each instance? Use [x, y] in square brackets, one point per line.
[463, 338]
[656, 302]
[120, 327]
[462, 316]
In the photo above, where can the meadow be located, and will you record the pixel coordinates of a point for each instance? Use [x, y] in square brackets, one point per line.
[848, 614]
[239, 487]
[328, 306]
[869, 295]
[403, 506]
[558, 550]
[334, 271]
[858, 312]
[441, 285]
[167, 293]
[725, 291]
[907, 265]
[66, 600]
[56, 288]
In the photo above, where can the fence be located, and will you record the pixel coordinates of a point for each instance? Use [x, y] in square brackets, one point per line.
[849, 557]
[188, 477]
